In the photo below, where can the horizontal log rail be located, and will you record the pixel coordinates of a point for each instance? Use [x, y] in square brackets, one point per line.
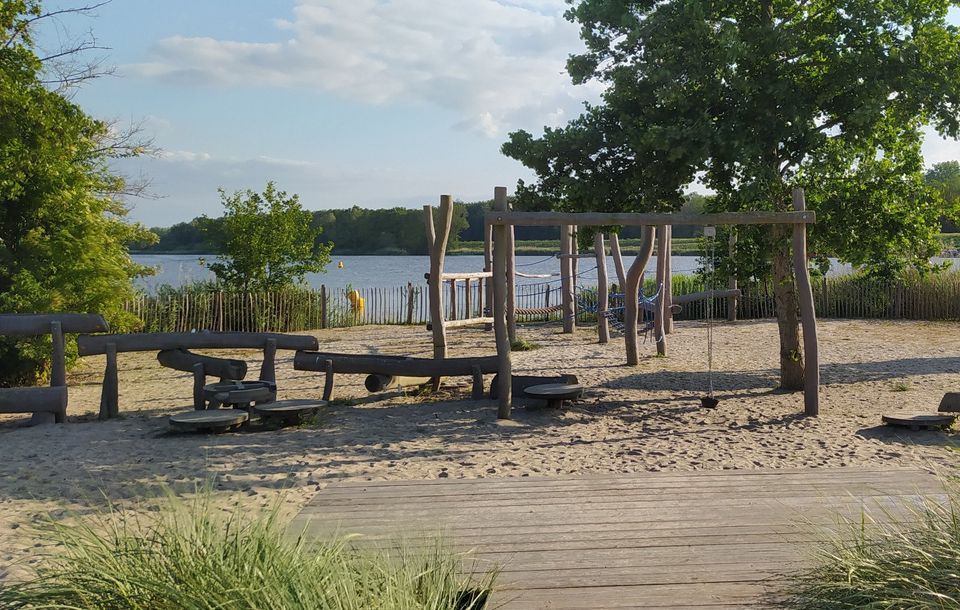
[392, 365]
[88, 345]
[29, 325]
[466, 275]
[625, 219]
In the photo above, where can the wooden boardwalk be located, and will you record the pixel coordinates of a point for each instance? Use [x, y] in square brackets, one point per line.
[700, 540]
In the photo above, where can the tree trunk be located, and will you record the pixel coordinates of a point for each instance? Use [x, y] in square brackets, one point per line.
[785, 294]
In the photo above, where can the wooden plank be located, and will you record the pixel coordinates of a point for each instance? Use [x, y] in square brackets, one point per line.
[808, 316]
[500, 321]
[392, 365]
[671, 540]
[628, 219]
[88, 345]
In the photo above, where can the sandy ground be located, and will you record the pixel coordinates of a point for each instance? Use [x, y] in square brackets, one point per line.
[643, 418]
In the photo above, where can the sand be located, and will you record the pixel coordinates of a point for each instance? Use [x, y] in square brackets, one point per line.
[631, 419]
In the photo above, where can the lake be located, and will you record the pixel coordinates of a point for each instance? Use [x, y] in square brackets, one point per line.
[388, 271]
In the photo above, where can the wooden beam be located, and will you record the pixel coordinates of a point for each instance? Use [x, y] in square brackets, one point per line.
[627, 219]
[34, 400]
[89, 345]
[464, 322]
[29, 324]
[185, 360]
[511, 283]
[659, 313]
[603, 287]
[566, 280]
[618, 261]
[392, 365]
[437, 237]
[632, 295]
[732, 283]
[668, 283]
[488, 267]
[808, 315]
[500, 254]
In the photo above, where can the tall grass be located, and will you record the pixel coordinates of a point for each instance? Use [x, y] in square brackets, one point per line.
[908, 561]
[191, 556]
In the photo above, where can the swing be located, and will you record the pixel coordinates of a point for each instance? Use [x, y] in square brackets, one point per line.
[710, 401]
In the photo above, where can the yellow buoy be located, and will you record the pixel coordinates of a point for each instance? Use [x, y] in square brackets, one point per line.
[340, 265]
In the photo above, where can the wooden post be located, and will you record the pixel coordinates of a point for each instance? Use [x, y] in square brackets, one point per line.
[437, 244]
[668, 282]
[110, 393]
[58, 362]
[566, 279]
[410, 303]
[618, 261]
[603, 286]
[220, 310]
[500, 255]
[631, 295]
[268, 370]
[511, 283]
[660, 311]
[199, 380]
[546, 304]
[453, 299]
[488, 267]
[324, 321]
[467, 298]
[732, 282]
[327, 379]
[808, 316]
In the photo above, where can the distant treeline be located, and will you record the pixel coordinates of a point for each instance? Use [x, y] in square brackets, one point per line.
[364, 231]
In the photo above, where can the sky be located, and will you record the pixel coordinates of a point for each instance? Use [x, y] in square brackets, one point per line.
[376, 103]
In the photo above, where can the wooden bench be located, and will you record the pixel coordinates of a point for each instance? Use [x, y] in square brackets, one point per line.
[111, 345]
[331, 363]
[45, 403]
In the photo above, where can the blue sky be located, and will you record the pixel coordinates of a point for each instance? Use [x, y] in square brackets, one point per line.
[376, 103]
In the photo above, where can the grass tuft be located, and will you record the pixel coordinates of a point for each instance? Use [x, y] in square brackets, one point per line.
[190, 555]
[901, 386]
[908, 560]
[522, 345]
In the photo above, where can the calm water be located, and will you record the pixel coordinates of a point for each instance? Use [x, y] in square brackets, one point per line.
[387, 271]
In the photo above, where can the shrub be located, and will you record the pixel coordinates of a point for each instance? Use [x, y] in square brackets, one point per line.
[905, 562]
[189, 555]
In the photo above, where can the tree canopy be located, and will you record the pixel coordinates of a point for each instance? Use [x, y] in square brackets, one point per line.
[753, 99]
[62, 227]
[267, 239]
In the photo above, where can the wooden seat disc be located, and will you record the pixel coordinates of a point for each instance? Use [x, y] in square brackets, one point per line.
[555, 391]
[289, 408]
[210, 419]
[916, 421]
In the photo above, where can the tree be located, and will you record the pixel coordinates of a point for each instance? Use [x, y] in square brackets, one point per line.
[268, 241]
[757, 98]
[945, 178]
[62, 225]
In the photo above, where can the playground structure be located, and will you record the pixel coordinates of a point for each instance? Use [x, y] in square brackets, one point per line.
[502, 220]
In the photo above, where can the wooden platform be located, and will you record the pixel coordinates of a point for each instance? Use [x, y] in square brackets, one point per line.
[705, 540]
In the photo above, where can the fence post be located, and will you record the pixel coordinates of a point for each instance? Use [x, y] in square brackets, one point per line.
[409, 303]
[546, 304]
[323, 306]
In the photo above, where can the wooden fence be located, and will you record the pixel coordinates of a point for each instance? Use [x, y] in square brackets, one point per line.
[936, 297]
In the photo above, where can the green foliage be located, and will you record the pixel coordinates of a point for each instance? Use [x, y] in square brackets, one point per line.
[522, 345]
[903, 561]
[267, 239]
[756, 98]
[62, 228]
[192, 556]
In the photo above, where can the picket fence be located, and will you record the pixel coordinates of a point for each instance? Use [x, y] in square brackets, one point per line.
[935, 297]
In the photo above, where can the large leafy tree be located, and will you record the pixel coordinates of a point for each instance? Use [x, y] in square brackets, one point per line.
[62, 227]
[267, 239]
[754, 98]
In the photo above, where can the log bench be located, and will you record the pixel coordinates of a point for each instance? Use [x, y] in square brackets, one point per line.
[111, 345]
[45, 403]
[394, 366]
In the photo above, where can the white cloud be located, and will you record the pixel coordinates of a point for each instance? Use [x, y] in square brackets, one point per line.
[937, 149]
[499, 64]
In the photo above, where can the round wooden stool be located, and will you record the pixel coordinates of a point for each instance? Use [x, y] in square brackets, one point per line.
[919, 421]
[289, 411]
[239, 394]
[211, 420]
[555, 393]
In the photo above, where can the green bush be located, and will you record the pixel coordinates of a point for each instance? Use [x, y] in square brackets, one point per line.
[905, 562]
[190, 555]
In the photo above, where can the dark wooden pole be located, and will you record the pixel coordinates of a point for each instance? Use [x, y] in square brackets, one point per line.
[660, 312]
[603, 286]
[732, 283]
[808, 315]
[500, 255]
[631, 295]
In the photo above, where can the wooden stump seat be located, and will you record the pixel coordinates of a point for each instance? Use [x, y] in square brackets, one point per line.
[555, 393]
[919, 421]
[177, 345]
[213, 420]
[289, 411]
[50, 403]
[393, 366]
